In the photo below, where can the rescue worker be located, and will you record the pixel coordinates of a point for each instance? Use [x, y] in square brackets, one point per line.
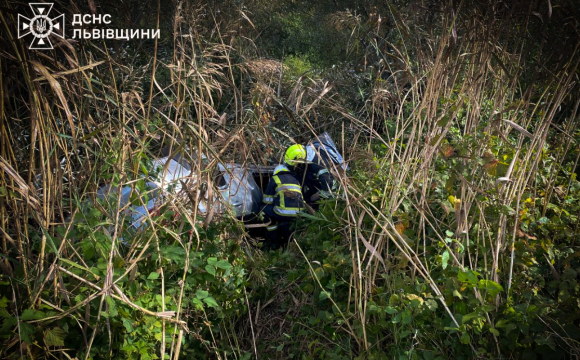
[314, 175]
[283, 202]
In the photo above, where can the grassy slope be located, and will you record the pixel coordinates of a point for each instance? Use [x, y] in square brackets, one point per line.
[454, 238]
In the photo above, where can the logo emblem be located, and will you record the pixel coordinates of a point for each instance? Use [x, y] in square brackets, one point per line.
[41, 26]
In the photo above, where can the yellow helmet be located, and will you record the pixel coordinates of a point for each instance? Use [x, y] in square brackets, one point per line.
[295, 153]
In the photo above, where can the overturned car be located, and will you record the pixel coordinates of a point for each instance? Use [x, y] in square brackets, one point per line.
[239, 188]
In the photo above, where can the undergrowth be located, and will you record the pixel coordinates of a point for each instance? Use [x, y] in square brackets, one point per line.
[453, 235]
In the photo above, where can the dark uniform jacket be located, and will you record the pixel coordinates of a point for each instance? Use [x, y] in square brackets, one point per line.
[285, 194]
[318, 179]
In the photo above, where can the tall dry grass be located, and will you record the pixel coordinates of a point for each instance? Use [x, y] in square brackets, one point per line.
[84, 115]
[467, 79]
[65, 113]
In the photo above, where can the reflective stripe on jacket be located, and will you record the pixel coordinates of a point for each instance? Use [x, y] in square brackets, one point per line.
[319, 179]
[285, 193]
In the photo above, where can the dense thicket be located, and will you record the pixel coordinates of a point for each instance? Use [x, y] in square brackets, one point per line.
[455, 233]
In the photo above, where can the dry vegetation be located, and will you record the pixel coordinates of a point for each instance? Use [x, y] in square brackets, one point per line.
[454, 237]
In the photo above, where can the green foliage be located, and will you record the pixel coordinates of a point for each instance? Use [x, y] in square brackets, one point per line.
[296, 66]
[156, 268]
[295, 30]
[447, 114]
[404, 317]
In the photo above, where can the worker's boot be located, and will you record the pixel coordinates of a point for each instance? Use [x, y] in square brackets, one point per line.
[284, 231]
[273, 238]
